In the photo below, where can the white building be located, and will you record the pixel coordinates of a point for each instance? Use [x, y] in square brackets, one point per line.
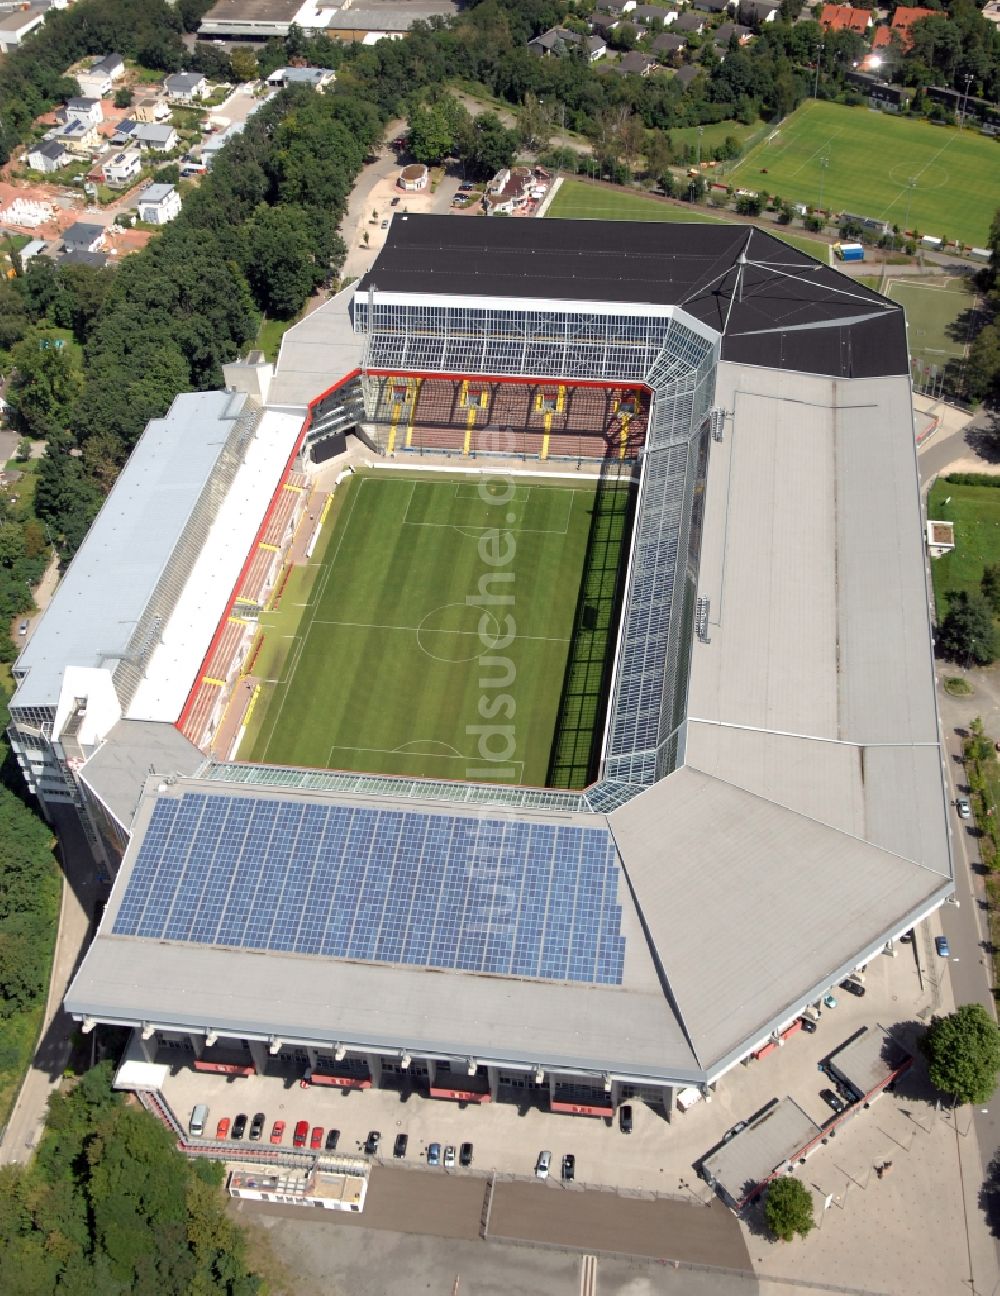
[48, 156]
[159, 204]
[122, 167]
[16, 24]
[185, 87]
[84, 110]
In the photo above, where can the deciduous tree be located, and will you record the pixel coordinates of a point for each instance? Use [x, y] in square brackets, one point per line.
[963, 1053]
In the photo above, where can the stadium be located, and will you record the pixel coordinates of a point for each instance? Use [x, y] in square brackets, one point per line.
[678, 463]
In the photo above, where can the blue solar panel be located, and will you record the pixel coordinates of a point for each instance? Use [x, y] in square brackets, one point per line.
[389, 886]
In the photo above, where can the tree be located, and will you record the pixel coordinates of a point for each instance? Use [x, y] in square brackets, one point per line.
[990, 586]
[963, 1053]
[487, 146]
[123, 97]
[966, 634]
[46, 385]
[431, 135]
[244, 64]
[789, 1208]
[280, 268]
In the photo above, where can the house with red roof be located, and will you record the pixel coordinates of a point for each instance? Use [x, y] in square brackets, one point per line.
[902, 20]
[844, 17]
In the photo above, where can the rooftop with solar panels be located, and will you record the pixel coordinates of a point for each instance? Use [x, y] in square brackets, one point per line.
[769, 772]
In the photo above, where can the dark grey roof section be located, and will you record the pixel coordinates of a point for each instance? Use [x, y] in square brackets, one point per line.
[133, 751]
[774, 306]
[869, 1059]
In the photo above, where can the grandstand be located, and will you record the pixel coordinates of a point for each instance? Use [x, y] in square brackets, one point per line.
[769, 772]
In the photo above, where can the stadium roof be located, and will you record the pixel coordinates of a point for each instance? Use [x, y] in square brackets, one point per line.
[186, 637]
[774, 306]
[108, 584]
[315, 353]
[133, 751]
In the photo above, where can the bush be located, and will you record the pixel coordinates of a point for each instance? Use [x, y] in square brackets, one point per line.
[789, 1209]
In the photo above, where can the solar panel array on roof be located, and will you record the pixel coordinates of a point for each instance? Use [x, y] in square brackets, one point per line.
[390, 886]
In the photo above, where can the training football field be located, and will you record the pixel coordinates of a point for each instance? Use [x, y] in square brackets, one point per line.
[934, 179]
[431, 635]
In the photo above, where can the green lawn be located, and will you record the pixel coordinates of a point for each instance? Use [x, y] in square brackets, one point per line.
[975, 511]
[713, 134]
[380, 655]
[934, 306]
[269, 336]
[864, 162]
[577, 200]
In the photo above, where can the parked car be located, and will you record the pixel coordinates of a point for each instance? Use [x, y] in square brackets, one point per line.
[449, 1157]
[942, 946]
[257, 1126]
[833, 1100]
[222, 1129]
[22, 629]
[300, 1134]
[569, 1167]
[853, 987]
[542, 1165]
[434, 1154]
[625, 1119]
[808, 1025]
[395, 202]
[964, 807]
[239, 1126]
[372, 1142]
[465, 1154]
[277, 1132]
[316, 1138]
[384, 225]
[332, 1139]
[907, 937]
[399, 1147]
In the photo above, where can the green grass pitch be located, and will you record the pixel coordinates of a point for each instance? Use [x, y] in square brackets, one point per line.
[577, 200]
[870, 160]
[377, 661]
[975, 511]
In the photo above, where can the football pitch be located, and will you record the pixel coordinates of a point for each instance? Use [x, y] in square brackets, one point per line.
[448, 629]
[874, 164]
[577, 200]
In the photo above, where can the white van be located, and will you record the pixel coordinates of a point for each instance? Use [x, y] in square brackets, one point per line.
[542, 1165]
[198, 1121]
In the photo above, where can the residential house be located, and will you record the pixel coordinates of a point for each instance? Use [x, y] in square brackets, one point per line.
[318, 78]
[80, 257]
[151, 110]
[84, 237]
[37, 247]
[85, 110]
[99, 80]
[122, 167]
[667, 45]
[713, 6]
[78, 136]
[753, 12]
[617, 7]
[159, 138]
[844, 17]
[726, 31]
[159, 204]
[686, 74]
[691, 23]
[636, 63]
[48, 156]
[603, 24]
[15, 24]
[513, 188]
[557, 40]
[185, 87]
[902, 20]
[652, 16]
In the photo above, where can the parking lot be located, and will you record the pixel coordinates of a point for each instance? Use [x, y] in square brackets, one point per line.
[507, 1138]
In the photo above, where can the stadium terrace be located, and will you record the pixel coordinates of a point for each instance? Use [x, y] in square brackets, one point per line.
[766, 810]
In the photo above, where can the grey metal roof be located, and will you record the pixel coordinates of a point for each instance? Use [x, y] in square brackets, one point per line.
[83, 232]
[869, 1059]
[181, 81]
[108, 584]
[755, 1153]
[109, 63]
[133, 751]
[315, 353]
[156, 193]
[50, 149]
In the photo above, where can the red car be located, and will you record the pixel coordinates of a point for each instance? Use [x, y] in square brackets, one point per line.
[222, 1129]
[301, 1134]
[316, 1139]
[277, 1131]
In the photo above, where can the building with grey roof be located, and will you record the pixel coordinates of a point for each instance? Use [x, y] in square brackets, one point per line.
[869, 1061]
[770, 809]
[771, 1144]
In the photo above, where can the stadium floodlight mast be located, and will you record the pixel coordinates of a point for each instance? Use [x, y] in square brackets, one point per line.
[819, 54]
[965, 100]
[911, 185]
[824, 164]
